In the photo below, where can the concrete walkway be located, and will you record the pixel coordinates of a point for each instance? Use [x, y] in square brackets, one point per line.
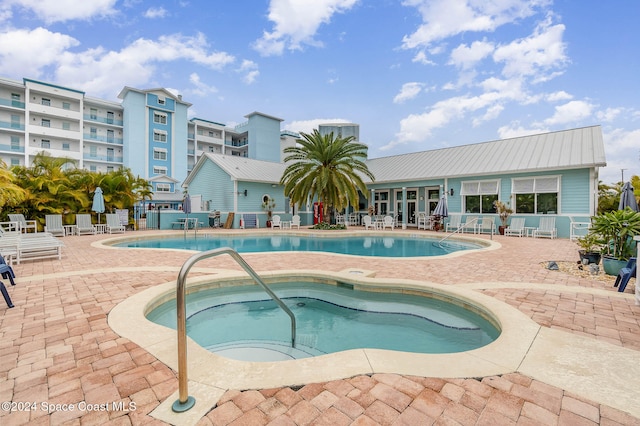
[60, 362]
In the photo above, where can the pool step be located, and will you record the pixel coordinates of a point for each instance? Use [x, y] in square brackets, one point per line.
[264, 351]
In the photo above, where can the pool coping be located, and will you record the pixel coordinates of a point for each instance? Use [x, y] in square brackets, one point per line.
[211, 375]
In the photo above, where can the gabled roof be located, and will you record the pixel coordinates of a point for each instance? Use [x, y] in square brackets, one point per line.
[562, 150]
[166, 93]
[163, 178]
[567, 149]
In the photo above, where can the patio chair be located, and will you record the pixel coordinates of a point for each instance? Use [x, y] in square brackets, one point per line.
[516, 227]
[625, 274]
[6, 271]
[295, 221]
[368, 223]
[276, 222]
[470, 223]
[23, 224]
[487, 225]
[424, 221]
[546, 228]
[53, 225]
[389, 222]
[84, 225]
[454, 222]
[113, 223]
[6, 296]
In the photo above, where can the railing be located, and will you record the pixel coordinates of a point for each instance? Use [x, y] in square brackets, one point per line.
[462, 226]
[184, 401]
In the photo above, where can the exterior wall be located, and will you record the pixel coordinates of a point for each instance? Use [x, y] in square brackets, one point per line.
[135, 144]
[263, 137]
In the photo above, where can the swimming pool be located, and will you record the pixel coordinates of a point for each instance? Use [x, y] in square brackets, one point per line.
[243, 323]
[405, 245]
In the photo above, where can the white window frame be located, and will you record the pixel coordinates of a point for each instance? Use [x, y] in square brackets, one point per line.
[536, 185]
[163, 187]
[159, 135]
[159, 170]
[45, 143]
[159, 117]
[45, 102]
[160, 154]
[479, 187]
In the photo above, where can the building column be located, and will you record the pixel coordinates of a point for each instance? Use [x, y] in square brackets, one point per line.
[404, 207]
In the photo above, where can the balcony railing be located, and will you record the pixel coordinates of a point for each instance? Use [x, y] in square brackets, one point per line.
[105, 158]
[96, 138]
[11, 125]
[236, 144]
[104, 120]
[11, 103]
[11, 148]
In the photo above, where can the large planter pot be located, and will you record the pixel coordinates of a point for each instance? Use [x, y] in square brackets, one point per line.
[501, 229]
[590, 256]
[612, 265]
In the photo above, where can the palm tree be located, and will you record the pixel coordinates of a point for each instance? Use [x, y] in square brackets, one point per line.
[325, 167]
[11, 194]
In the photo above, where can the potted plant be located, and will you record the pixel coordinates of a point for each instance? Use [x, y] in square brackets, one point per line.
[268, 205]
[504, 211]
[590, 248]
[616, 229]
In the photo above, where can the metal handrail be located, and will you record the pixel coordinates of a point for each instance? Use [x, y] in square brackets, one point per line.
[457, 229]
[184, 401]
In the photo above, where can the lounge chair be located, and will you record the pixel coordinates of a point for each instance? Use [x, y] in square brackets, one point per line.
[388, 222]
[626, 273]
[454, 222]
[113, 223]
[546, 228]
[424, 221]
[53, 225]
[368, 223]
[340, 219]
[6, 271]
[276, 222]
[23, 224]
[487, 225]
[516, 227]
[42, 245]
[295, 221]
[470, 224]
[84, 225]
[249, 220]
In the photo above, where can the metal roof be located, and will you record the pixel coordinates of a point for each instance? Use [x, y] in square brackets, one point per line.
[567, 149]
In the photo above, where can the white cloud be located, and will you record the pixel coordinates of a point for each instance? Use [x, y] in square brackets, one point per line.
[27, 52]
[609, 114]
[559, 96]
[296, 23]
[408, 91]
[465, 56]
[622, 149]
[200, 88]
[307, 126]
[446, 18]
[51, 11]
[571, 112]
[543, 51]
[156, 12]
[515, 130]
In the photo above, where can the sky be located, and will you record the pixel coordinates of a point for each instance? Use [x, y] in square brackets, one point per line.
[415, 75]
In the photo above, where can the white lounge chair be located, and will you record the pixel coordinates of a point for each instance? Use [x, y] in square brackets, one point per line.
[470, 224]
[113, 223]
[546, 228]
[84, 225]
[424, 221]
[516, 227]
[388, 222]
[276, 222]
[23, 224]
[454, 222]
[53, 225]
[295, 221]
[21, 247]
[368, 223]
[487, 225]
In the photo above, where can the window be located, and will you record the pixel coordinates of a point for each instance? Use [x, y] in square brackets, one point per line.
[66, 105]
[15, 121]
[93, 168]
[159, 118]
[536, 195]
[159, 136]
[15, 162]
[163, 187]
[110, 136]
[15, 143]
[93, 114]
[66, 125]
[93, 133]
[479, 196]
[66, 146]
[109, 117]
[45, 143]
[160, 154]
[93, 151]
[161, 101]
[15, 100]
[109, 169]
[45, 122]
[110, 154]
[46, 102]
[157, 170]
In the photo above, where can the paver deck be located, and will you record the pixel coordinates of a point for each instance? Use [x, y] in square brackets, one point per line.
[60, 362]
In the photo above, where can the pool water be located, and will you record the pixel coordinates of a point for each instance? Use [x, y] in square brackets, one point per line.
[387, 246]
[243, 323]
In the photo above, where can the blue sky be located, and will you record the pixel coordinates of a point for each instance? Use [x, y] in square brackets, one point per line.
[415, 74]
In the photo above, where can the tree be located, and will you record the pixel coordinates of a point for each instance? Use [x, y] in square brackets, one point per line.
[325, 167]
[11, 194]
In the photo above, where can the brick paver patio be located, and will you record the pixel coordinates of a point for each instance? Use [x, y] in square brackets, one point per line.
[57, 352]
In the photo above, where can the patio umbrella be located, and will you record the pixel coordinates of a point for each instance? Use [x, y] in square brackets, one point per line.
[441, 208]
[98, 202]
[186, 208]
[627, 198]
